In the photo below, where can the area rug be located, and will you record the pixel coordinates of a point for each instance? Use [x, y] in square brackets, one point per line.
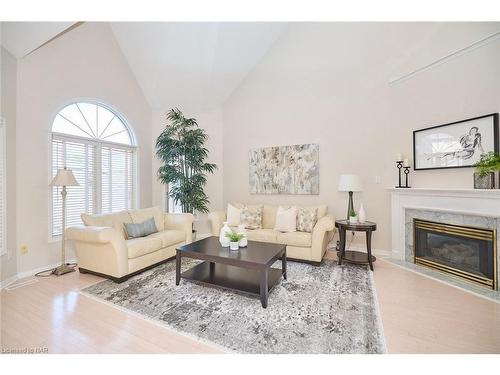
[319, 309]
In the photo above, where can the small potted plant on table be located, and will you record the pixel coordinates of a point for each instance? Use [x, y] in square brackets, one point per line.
[353, 218]
[234, 239]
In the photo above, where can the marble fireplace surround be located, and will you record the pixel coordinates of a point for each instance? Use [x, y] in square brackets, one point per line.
[472, 207]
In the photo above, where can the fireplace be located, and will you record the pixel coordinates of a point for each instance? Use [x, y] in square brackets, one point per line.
[462, 251]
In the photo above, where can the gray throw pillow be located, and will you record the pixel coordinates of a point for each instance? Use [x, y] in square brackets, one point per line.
[143, 229]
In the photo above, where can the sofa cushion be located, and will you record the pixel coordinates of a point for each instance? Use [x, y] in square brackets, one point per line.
[251, 217]
[114, 220]
[286, 219]
[143, 214]
[301, 239]
[137, 247]
[269, 216]
[262, 235]
[322, 210]
[169, 237]
[306, 219]
[147, 227]
[233, 215]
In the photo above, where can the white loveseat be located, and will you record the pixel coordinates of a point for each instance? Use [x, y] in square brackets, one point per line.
[303, 246]
[102, 247]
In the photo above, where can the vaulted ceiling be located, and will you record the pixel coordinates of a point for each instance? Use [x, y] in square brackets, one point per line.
[194, 65]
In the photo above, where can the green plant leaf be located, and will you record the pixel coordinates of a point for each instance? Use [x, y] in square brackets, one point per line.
[180, 149]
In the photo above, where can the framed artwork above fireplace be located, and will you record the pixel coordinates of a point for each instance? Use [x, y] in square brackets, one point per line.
[457, 144]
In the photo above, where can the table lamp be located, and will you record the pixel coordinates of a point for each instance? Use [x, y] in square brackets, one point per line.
[64, 177]
[350, 183]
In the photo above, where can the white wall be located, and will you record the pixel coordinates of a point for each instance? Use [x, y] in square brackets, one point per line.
[84, 63]
[8, 76]
[211, 121]
[328, 84]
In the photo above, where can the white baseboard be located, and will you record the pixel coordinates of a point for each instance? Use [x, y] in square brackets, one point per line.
[5, 283]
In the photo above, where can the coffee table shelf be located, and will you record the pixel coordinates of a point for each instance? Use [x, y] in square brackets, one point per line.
[231, 277]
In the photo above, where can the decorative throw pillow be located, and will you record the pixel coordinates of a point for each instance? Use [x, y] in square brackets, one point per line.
[306, 219]
[233, 215]
[143, 229]
[286, 219]
[251, 217]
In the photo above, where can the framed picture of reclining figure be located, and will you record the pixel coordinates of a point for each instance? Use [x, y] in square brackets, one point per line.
[458, 144]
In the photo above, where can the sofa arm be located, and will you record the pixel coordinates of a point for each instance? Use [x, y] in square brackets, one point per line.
[100, 249]
[182, 222]
[216, 218]
[91, 234]
[321, 236]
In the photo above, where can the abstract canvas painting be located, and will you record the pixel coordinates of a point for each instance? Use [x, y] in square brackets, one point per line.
[285, 169]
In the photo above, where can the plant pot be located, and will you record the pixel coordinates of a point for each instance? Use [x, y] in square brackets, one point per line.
[233, 246]
[484, 182]
[353, 219]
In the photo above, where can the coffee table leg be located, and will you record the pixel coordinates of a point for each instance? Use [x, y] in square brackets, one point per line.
[264, 287]
[283, 265]
[177, 267]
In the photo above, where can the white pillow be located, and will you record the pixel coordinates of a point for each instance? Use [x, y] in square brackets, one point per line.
[233, 215]
[286, 219]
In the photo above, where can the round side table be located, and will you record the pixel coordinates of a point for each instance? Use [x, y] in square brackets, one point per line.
[357, 257]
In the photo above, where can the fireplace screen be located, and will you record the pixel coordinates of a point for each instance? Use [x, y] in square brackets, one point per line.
[466, 252]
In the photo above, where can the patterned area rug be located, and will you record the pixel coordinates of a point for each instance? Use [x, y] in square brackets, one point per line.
[319, 309]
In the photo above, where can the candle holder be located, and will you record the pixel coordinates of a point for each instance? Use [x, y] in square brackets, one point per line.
[399, 165]
[406, 172]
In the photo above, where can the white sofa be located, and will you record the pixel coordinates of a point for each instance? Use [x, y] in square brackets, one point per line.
[302, 246]
[102, 248]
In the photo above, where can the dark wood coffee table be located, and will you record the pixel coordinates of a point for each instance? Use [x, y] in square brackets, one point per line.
[246, 270]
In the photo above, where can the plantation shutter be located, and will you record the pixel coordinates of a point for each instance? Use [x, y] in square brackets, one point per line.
[79, 157]
[3, 182]
[117, 178]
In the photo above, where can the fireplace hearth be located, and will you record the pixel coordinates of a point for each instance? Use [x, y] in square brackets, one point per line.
[461, 251]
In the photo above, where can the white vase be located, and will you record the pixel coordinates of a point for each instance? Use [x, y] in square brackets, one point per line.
[224, 241]
[233, 246]
[353, 219]
[362, 214]
[241, 230]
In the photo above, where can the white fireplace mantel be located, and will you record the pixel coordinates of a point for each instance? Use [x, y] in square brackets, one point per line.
[478, 202]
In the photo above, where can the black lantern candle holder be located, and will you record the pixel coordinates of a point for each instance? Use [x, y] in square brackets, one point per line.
[402, 170]
[406, 172]
[399, 165]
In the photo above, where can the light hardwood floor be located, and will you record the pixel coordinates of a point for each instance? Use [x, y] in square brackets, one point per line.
[419, 315]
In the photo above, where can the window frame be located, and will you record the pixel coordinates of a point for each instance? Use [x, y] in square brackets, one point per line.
[97, 144]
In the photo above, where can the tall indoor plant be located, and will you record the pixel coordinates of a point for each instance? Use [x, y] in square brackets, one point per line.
[180, 148]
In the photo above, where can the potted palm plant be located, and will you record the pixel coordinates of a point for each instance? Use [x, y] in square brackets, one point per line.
[486, 167]
[180, 148]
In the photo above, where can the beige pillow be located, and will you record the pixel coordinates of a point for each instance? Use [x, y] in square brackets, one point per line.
[251, 217]
[233, 215]
[306, 219]
[286, 219]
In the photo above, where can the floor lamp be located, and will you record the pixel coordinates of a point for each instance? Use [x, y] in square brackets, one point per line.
[64, 177]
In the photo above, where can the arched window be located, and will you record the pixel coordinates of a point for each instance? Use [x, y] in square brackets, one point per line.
[96, 143]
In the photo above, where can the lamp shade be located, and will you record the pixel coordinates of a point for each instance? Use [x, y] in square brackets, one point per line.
[64, 177]
[350, 182]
